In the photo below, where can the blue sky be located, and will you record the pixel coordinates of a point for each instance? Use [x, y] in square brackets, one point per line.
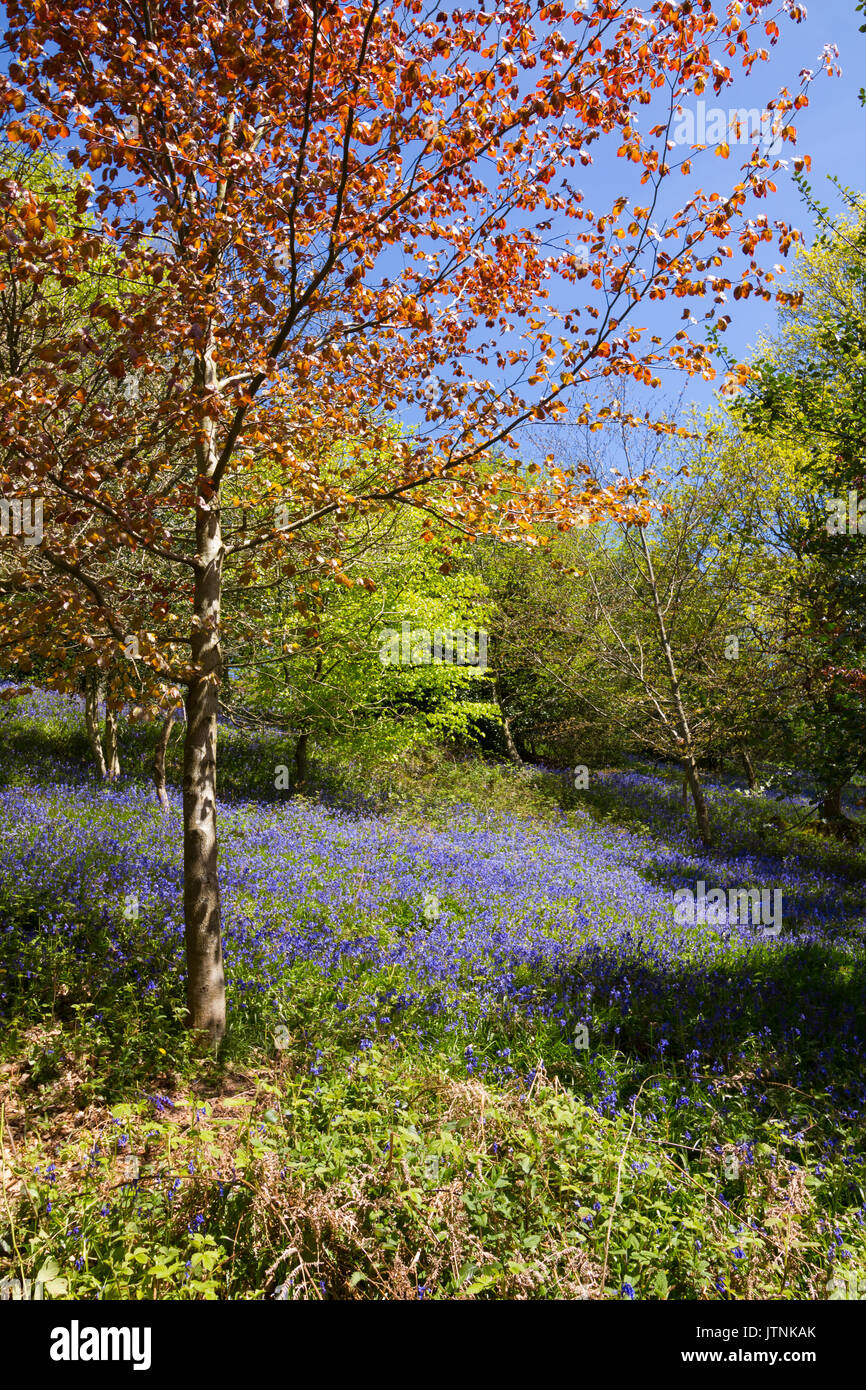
[832, 130]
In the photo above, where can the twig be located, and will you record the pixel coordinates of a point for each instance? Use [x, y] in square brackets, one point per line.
[5, 1198]
[619, 1175]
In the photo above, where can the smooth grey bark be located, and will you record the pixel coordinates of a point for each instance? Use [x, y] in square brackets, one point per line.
[112, 755]
[91, 720]
[202, 910]
[159, 753]
[201, 891]
[202, 906]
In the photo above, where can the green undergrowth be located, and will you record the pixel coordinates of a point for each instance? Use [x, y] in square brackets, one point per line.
[394, 1178]
[288, 1168]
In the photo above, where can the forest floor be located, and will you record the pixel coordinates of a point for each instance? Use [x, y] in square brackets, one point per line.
[472, 1052]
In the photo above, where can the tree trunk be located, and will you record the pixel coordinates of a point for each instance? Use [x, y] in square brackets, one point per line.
[302, 767]
[684, 733]
[205, 986]
[749, 767]
[510, 745]
[702, 815]
[112, 756]
[159, 760]
[831, 804]
[834, 818]
[91, 720]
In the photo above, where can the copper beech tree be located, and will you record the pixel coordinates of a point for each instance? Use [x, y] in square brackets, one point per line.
[304, 216]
